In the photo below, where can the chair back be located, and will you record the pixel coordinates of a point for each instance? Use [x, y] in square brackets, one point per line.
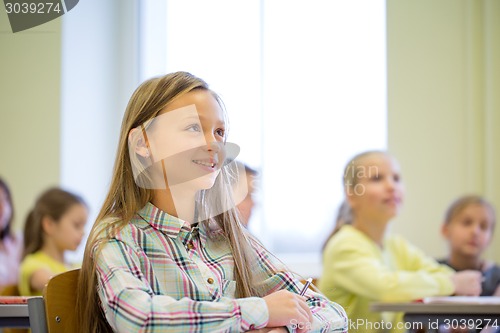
[60, 301]
[9, 290]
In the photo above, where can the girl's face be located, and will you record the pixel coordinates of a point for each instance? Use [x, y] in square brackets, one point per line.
[469, 232]
[187, 139]
[5, 209]
[378, 193]
[68, 232]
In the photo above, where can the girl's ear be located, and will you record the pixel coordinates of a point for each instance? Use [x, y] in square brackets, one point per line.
[137, 142]
[48, 224]
[349, 196]
[445, 232]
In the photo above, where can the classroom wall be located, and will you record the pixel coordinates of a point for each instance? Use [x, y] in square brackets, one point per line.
[30, 80]
[64, 86]
[444, 109]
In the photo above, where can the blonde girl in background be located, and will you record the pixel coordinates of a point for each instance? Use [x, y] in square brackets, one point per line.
[167, 252]
[468, 228]
[363, 263]
[55, 225]
[10, 242]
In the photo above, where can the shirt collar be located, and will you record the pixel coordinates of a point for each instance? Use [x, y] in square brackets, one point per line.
[172, 226]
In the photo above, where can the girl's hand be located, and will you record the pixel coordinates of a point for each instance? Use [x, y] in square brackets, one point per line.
[467, 283]
[286, 308]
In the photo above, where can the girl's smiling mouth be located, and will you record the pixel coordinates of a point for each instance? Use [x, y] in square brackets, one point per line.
[206, 163]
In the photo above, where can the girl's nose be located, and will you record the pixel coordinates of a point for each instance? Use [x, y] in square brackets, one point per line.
[209, 139]
[476, 229]
[211, 142]
[213, 148]
[390, 184]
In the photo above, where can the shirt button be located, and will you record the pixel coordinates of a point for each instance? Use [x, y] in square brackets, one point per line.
[210, 280]
[190, 246]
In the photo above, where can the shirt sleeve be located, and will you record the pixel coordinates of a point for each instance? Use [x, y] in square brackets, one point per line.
[25, 271]
[28, 267]
[130, 305]
[327, 316]
[357, 268]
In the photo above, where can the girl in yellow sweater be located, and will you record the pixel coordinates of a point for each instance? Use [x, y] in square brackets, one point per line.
[362, 264]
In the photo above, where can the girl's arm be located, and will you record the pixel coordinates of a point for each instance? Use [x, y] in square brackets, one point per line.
[130, 305]
[39, 279]
[327, 316]
[33, 276]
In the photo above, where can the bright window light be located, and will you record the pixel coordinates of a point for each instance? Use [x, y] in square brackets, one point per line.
[304, 83]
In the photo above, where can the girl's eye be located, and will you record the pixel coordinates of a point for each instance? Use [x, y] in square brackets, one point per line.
[397, 178]
[484, 225]
[467, 222]
[194, 128]
[220, 132]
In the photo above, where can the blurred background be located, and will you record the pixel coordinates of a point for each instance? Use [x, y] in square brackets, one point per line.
[307, 84]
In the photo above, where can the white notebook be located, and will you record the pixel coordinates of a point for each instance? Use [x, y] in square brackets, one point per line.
[464, 299]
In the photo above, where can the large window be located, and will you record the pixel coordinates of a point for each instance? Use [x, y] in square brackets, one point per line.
[304, 83]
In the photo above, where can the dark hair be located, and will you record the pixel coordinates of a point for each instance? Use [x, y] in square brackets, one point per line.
[6, 232]
[53, 203]
[461, 203]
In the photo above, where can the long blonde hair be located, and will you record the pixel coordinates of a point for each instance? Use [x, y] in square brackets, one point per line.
[125, 199]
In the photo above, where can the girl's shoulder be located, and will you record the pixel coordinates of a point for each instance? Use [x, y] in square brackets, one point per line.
[14, 240]
[134, 233]
[348, 240]
[115, 227]
[38, 256]
[39, 260]
[349, 235]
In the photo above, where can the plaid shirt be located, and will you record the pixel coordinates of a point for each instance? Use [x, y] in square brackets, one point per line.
[160, 275]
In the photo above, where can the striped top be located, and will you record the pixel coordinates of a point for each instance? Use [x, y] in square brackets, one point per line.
[160, 275]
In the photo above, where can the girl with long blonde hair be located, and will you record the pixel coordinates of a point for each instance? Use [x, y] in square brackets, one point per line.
[167, 252]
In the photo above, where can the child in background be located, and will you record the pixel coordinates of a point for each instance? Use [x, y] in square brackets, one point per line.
[362, 264]
[167, 252]
[10, 243]
[468, 227]
[246, 206]
[55, 225]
